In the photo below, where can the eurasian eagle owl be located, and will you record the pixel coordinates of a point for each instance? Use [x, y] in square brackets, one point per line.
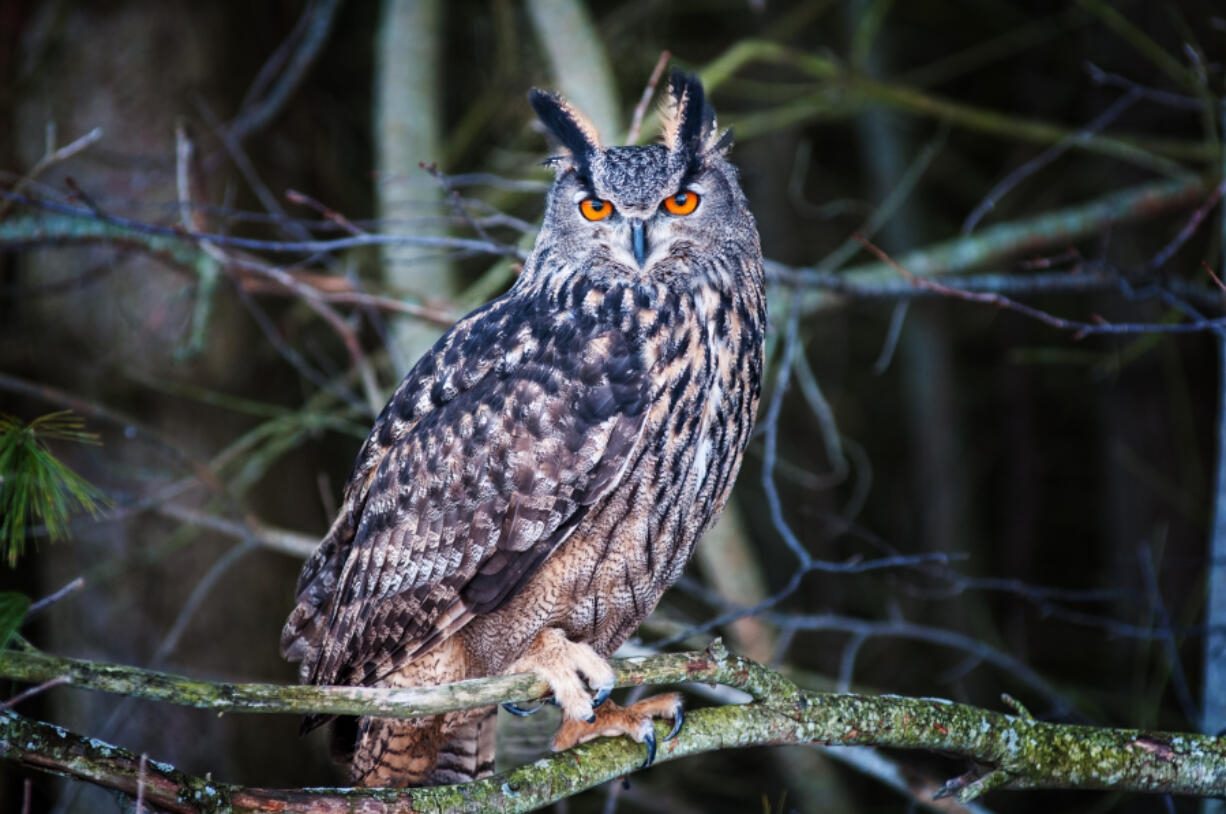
[541, 475]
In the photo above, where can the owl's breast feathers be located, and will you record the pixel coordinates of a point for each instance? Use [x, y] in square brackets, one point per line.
[502, 439]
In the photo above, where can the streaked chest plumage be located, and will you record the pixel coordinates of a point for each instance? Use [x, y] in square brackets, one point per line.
[701, 350]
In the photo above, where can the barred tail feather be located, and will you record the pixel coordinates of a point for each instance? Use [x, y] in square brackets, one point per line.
[435, 751]
[469, 754]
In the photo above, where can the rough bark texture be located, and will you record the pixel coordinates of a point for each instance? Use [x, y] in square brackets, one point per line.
[1015, 751]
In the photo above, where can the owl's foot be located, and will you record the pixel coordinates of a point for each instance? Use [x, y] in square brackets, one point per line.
[562, 664]
[635, 721]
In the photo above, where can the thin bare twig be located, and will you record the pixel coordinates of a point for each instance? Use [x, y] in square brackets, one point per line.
[454, 200]
[129, 426]
[636, 121]
[312, 32]
[309, 295]
[140, 784]
[81, 195]
[1046, 157]
[191, 217]
[234, 148]
[1079, 329]
[1217, 280]
[898, 316]
[47, 601]
[275, 246]
[436, 316]
[1159, 259]
[890, 629]
[1166, 638]
[293, 357]
[26, 695]
[288, 542]
[50, 158]
[1100, 77]
[208, 269]
[294, 196]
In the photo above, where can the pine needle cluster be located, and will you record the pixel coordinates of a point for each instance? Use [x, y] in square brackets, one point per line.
[35, 486]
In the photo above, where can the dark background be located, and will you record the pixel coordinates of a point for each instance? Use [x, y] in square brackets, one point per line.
[1036, 460]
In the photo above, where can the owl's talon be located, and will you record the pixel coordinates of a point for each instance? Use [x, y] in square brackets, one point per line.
[518, 711]
[602, 694]
[678, 719]
[650, 740]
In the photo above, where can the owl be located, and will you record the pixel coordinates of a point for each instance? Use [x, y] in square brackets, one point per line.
[541, 475]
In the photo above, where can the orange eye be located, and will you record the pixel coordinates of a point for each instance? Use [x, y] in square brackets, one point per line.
[683, 203]
[595, 209]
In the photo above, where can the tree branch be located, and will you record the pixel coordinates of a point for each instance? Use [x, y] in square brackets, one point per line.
[1016, 751]
[823, 288]
[996, 243]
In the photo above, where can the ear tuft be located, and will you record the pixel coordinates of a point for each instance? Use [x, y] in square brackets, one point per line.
[688, 121]
[719, 143]
[572, 130]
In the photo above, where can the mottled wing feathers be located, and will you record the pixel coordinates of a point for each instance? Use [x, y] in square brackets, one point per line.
[463, 356]
[475, 488]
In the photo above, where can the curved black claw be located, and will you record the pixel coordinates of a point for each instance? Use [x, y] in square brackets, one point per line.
[524, 712]
[650, 740]
[602, 695]
[678, 719]
[517, 710]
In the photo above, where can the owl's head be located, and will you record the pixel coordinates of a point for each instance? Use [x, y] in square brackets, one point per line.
[646, 210]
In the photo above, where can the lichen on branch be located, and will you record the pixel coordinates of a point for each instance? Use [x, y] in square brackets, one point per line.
[1008, 751]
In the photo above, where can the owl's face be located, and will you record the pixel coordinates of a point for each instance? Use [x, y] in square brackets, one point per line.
[643, 211]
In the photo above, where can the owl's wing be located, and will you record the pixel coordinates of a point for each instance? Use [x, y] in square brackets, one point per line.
[468, 502]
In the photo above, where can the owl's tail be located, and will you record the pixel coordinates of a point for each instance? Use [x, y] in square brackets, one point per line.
[469, 754]
[436, 751]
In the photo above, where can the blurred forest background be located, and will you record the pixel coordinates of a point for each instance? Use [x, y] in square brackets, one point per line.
[946, 497]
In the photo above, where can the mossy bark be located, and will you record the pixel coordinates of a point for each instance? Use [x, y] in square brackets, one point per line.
[1014, 751]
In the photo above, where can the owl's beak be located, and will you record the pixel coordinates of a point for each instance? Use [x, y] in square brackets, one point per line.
[638, 240]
